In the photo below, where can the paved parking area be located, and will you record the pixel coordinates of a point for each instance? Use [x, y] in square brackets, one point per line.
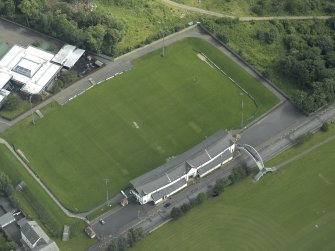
[13, 34]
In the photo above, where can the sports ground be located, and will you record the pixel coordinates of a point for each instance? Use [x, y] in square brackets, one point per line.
[134, 122]
[293, 210]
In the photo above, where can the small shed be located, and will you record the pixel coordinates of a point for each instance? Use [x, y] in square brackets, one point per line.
[90, 232]
[6, 219]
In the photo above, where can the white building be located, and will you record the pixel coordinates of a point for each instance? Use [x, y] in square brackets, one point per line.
[68, 56]
[34, 238]
[6, 219]
[28, 67]
[168, 179]
[34, 69]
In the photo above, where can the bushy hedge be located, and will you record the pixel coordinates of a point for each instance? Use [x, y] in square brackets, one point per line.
[122, 243]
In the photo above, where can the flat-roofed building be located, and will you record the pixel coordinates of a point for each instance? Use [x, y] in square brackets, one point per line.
[29, 68]
[6, 219]
[68, 56]
[171, 177]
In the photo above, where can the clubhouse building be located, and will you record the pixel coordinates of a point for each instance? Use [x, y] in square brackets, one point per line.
[166, 180]
[32, 69]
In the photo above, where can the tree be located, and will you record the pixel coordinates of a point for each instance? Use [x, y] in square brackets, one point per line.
[176, 213]
[219, 187]
[113, 246]
[6, 186]
[36, 98]
[7, 8]
[185, 208]
[95, 37]
[201, 198]
[325, 127]
[31, 9]
[12, 102]
[122, 244]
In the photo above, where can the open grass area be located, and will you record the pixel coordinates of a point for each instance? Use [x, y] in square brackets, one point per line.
[134, 122]
[143, 19]
[293, 210]
[35, 202]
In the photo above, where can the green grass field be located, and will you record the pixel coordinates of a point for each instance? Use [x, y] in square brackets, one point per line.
[293, 210]
[17, 173]
[176, 101]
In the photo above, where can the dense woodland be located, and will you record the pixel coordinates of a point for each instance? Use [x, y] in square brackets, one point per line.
[90, 30]
[295, 7]
[307, 61]
[265, 7]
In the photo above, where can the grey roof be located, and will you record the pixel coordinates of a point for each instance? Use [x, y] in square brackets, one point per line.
[170, 189]
[30, 233]
[36, 236]
[179, 165]
[6, 219]
[224, 156]
[68, 55]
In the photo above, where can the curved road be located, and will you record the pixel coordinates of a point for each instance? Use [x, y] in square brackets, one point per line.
[243, 19]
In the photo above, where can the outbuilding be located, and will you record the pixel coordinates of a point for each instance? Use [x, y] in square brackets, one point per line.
[6, 219]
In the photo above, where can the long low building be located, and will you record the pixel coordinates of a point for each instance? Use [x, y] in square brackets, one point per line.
[166, 180]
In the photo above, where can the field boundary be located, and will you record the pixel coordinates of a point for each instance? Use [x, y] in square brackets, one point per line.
[278, 92]
[40, 182]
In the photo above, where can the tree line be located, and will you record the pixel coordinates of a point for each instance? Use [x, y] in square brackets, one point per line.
[295, 7]
[308, 63]
[91, 30]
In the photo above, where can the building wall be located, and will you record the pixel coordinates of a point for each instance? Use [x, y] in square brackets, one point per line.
[193, 172]
[216, 167]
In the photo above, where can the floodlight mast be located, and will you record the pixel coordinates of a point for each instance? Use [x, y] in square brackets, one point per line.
[242, 112]
[31, 109]
[106, 182]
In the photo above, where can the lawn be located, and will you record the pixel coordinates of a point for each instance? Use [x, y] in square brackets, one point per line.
[293, 210]
[33, 193]
[175, 101]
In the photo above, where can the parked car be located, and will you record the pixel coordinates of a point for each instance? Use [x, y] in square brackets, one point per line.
[167, 205]
[102, 221]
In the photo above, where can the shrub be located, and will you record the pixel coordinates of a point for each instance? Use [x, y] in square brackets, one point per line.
[185, 208]
[303, 138]
[325, 127]
[12, 102]
[36, 98]
[201, 198]
[176, 213]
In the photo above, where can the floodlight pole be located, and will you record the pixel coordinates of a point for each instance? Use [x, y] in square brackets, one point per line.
[242, 112]
[106, 182]
[31, 109]
[163, 43]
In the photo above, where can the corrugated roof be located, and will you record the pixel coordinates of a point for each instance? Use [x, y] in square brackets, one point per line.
[168, 190]
[68, 56]
[223, 157]
[6, 219]
[178, 166]
[29, 232]
[4, 78]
